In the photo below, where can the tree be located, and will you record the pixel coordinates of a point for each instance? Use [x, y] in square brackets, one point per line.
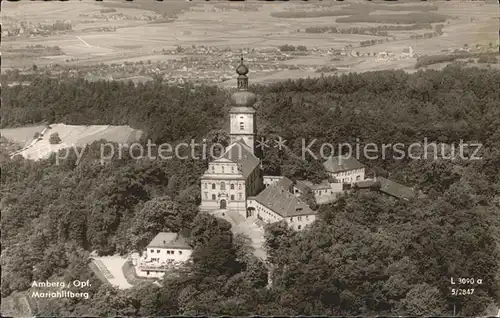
[161, 214]
[54, 139]
[309, 198]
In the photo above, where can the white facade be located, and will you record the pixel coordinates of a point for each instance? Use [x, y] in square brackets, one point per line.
[161, 255]
[323, 193]
[242, 127]
[348, 176]
[165, 252]
[270, 180]
[261, 212]
[223, 187]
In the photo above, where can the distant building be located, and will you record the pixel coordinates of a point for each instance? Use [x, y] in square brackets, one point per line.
[408, 53]
[95, 78]
[137, 79]
[344, 169]
[165, 252]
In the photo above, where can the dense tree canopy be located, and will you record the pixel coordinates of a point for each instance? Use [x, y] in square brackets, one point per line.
[367, 254]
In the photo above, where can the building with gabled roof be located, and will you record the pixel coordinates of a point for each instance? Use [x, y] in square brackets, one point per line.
[344, 169]
[324, 192]
[166, 251]
[388, 187]
[394, 189]
[277, 202]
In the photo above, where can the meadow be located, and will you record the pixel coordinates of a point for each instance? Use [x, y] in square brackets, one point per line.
[252, 25]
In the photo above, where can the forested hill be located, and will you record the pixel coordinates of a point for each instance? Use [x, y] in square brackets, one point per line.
[367, 254]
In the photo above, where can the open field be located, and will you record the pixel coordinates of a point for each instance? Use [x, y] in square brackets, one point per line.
[22, 136]
[111, 268]
[206, 24]
[70, 135]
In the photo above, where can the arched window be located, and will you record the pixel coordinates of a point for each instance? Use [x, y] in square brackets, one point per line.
[232, 186]
[222, 186]
[232, 197]
[213, 196]
[239, 186]
[222, 169]
[213, 186]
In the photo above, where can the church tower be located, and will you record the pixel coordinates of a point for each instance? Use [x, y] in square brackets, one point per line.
[242, 114]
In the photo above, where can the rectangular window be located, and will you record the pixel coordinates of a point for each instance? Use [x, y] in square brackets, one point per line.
[152, 251]
[180, 252]
[299, 218]
[157, 251]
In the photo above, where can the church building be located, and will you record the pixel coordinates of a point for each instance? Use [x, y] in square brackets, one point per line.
[235, 182]
[231, 179]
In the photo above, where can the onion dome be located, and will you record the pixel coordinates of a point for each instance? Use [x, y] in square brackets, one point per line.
[243, 99]
[242, 69]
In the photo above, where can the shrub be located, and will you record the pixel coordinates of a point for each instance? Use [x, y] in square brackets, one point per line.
[436, 59]
[54, 139]
[286, 48]
[107, 10]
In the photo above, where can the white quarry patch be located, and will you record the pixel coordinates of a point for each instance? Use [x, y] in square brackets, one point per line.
[111, 268]
[71, 136]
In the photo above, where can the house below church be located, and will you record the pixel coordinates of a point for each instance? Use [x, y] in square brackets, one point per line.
[165, 252]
